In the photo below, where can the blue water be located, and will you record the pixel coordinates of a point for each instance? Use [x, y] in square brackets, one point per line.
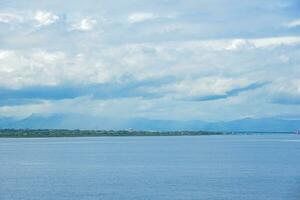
[253, 167]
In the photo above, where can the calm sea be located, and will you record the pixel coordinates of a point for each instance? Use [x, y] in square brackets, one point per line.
[253, 167]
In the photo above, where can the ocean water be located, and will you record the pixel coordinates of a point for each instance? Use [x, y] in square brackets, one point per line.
[249, 167]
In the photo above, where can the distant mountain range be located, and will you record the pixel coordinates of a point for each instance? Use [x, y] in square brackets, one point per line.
[74, 121]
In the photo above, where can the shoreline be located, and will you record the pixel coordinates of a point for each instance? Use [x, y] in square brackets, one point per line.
[59, 133]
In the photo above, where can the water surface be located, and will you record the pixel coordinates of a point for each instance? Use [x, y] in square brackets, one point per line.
[253, 167]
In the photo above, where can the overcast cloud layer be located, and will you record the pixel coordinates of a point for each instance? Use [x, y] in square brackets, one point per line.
[184, 60]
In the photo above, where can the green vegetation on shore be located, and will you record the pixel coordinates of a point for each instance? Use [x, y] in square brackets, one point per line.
[29, 133]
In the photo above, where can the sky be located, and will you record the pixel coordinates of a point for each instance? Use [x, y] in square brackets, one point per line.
[216, 60]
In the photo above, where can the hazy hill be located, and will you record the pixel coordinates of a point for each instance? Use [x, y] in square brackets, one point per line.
[61, 121]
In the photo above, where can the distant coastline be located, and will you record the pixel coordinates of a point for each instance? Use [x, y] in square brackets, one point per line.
[39, 133]
[44, 133]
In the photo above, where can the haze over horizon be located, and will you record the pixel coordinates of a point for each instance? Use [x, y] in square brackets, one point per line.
[159, 60]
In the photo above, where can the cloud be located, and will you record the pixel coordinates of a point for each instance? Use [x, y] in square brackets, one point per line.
[45, 18]
[85, 24]
[27, 68]
[286, 92]
[5, 54]
[10, 18]
[35, 94]
[186, 60]
[115, 91]
[293, 23]
[43, 92]
[240, 44]
[18, 101]
[230, 93]
[140, 17]
[204, 89]
[172, 59]
[276, 41]
[286, 100]
[248, 44]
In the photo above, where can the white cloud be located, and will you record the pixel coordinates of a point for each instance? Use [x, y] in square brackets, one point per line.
[85, 24]
[140, 17]
[284, 85]
[196, 69]
[20, 69]
[293, 23]
[276, 41]
[284, 59]
[200, 87]
[5, 53]
[239, 44]
[45, 18]
[184, 60]
[183, 64]
[10, 17]
[47, 57]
